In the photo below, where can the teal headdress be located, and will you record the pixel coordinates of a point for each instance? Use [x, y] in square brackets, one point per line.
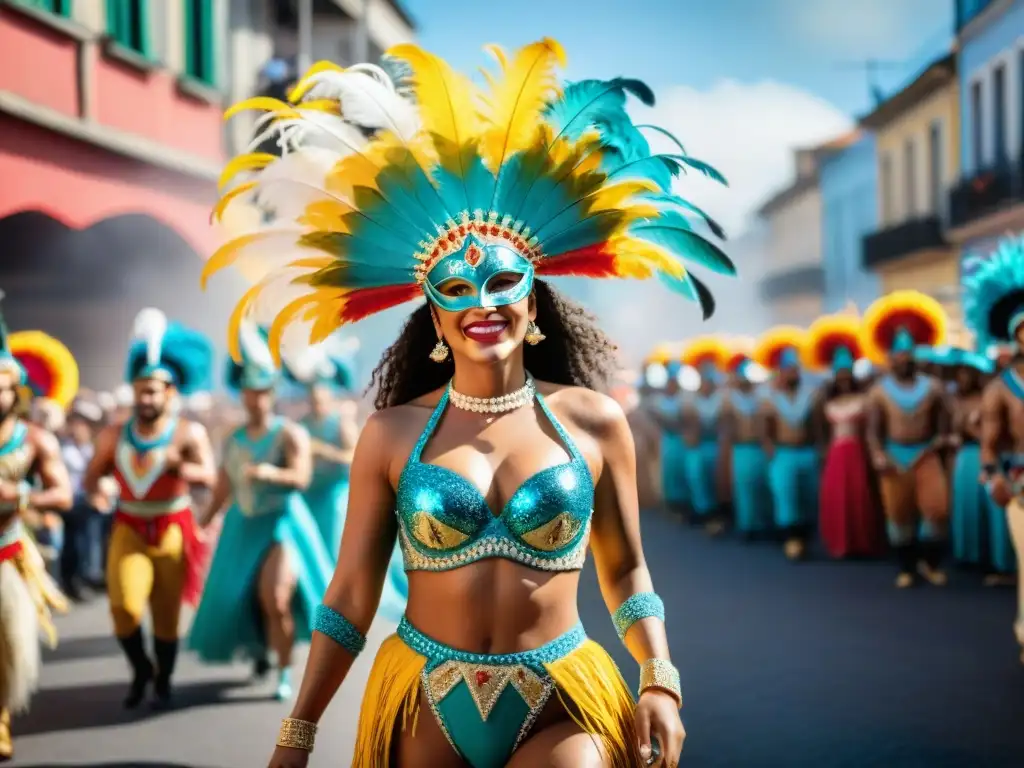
[789, 358]
[903, 341]
[842, 360]
[8, 362]
[257, 369]
[169, 352]
[388, 191]
[994, 294]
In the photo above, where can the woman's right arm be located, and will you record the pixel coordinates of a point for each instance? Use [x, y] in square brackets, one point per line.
[354, 592]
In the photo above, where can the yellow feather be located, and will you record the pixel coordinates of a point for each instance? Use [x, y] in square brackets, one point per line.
[446, 99]
[284, 318]
[254, 161]
[227, 254]
[639, 258]
[302, 87]
[326, 215]
[499, 55]
[227, 198]
[238, 314]
[263, 103]
[614, 196]
[514, 108]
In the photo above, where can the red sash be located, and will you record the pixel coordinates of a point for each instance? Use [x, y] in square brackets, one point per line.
[10, 552]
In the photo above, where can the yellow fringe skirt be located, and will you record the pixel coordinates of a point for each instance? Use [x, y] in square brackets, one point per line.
[486, 704]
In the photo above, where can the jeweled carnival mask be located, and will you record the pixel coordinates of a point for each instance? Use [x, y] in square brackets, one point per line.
[480, 274]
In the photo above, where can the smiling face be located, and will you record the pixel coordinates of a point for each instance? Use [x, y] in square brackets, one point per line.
[486, 334]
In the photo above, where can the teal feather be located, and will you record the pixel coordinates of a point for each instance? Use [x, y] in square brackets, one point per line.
[589, 102]
[417, 182]
[471, 187]
[343, 275]
[397, 188]
[388, 223]
[187, 353]
[670, 136]
[994, 292]
[691, 288]
[646, 166]
[594, 229]
[664, 201]
[358, 250]
[673, 232]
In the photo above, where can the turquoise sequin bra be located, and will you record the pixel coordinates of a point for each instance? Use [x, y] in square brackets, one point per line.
[445, 522]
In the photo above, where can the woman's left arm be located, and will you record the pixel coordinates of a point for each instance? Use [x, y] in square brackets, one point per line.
[636, 609]
[298, 461]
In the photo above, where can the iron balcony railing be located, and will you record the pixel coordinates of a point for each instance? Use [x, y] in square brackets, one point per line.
[986, 191]
[901, 240]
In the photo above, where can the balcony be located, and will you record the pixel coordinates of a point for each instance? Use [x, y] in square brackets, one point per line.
[986, 192]
[901, 240]
[795, 281]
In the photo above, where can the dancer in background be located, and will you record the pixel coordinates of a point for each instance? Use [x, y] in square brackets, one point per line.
[994, 308]
[789, 436]
[741, 432]
[512, 461]
[155, 557]
[665, 407]
[32, 477]
[849, 520]
[271, 567]
[701, 435]
[978, 528]
[908, 424]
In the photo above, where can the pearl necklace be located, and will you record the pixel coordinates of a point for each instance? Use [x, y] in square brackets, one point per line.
[503, 404]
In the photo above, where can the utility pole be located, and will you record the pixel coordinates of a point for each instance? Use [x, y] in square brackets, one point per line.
[305, 58]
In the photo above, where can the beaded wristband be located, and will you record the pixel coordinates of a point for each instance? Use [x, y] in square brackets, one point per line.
[661, 674]
[296, 734]
[642, 605]
[328, 621]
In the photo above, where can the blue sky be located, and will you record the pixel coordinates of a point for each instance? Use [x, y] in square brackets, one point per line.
[804, 43]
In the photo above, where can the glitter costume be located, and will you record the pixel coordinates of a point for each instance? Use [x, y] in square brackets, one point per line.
[429, 180]
[701, 412]
[42, 367]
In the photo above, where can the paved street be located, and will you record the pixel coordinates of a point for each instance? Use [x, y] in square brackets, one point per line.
[819, 665]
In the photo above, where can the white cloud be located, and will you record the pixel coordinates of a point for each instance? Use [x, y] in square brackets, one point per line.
[866, 27]
[746, 130]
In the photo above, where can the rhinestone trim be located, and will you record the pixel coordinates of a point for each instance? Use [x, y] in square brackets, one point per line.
[661, 674]
[329, 622]
[642, 605]
[502, 404]
[451, 237]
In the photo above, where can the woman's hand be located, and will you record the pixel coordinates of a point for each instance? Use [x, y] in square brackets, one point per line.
[288, 757]
[657, 719]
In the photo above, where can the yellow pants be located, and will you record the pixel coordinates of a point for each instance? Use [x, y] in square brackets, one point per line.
[1015, 517]
[139, 575]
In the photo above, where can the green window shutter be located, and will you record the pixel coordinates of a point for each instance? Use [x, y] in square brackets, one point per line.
[62, 7]
[115, 19]
[209, 75]
[141, 9]
[200, 62]
[190, 45]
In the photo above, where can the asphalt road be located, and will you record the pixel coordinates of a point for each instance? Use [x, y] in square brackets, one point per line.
[818, 665]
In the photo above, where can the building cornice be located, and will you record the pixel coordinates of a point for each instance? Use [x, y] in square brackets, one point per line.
[936, 76]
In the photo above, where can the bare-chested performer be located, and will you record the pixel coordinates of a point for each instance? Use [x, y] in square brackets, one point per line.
[994, 306]
[907, 427]
[155, 553]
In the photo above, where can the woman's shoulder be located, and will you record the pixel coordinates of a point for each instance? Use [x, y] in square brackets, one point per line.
[399, 419]
[596, 413]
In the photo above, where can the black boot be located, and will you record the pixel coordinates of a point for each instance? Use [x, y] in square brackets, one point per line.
[142, 668]
[906, 558]
[166, 655]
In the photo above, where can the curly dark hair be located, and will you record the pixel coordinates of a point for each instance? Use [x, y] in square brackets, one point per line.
[575, 352]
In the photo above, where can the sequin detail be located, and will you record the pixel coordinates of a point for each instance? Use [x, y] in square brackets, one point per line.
[445, 522]
[642, 605]
[661, 674]
[329, 622]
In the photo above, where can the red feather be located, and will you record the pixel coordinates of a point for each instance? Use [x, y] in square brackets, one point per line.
[922, 330]
[366, 301]
[830, 344]
[590, 261]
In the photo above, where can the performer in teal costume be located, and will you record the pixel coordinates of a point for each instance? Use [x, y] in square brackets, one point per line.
[751, 496]
[665, 408]
[271, 567]
[701, 452]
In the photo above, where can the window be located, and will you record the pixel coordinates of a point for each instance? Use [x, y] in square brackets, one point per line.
[200, 61]
[977, 158]
[59, 7]
[910, 179]
[1020, 96]
[885, 179]
[128, 24]
[935, 167]
[999, 114]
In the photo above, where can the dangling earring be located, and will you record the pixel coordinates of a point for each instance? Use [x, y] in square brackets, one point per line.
[440, 352]
[533, 334]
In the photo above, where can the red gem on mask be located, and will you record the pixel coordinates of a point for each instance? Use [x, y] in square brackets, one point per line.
[482, 677]
[473, 255]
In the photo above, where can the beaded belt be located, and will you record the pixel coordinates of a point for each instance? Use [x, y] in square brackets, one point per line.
[154, 508]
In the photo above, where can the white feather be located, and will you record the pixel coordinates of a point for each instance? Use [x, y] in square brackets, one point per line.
[367, 101]
[254, 348]
[19, 640]
[150, 327]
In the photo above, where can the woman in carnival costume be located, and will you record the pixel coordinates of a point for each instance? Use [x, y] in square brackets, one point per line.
[665, 407]
[849, 520]
[701, 412]
[271, 566]
[994, 308]
[741, 428]
[466, 200]
[790, 437]
[908, 425]
[978, 529]
[32, 476]
[647, 430]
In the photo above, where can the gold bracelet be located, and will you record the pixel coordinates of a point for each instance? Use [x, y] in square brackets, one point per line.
[661, 674]
[297, 734]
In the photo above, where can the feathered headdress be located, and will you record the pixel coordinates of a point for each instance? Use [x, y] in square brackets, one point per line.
[388, 191]
[328, 363]
[705, 354]
[740, 353]
[164, 350]
[257, 369]
[780, 347]
[899, 322]
[958, 357]
[833, 343]
[994, 295]
[8, 362]
[50, 368]
[661, 354]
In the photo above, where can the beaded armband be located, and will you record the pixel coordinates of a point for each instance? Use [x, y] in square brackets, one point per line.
[296, 734]
[661, 674]
[328, 621]
[642, 605]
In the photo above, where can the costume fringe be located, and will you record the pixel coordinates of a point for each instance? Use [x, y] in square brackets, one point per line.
[594, 694]
[45, 594]
[392, 698]
[20, 656]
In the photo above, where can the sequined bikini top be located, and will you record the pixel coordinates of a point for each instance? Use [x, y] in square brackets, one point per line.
[445, 522]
